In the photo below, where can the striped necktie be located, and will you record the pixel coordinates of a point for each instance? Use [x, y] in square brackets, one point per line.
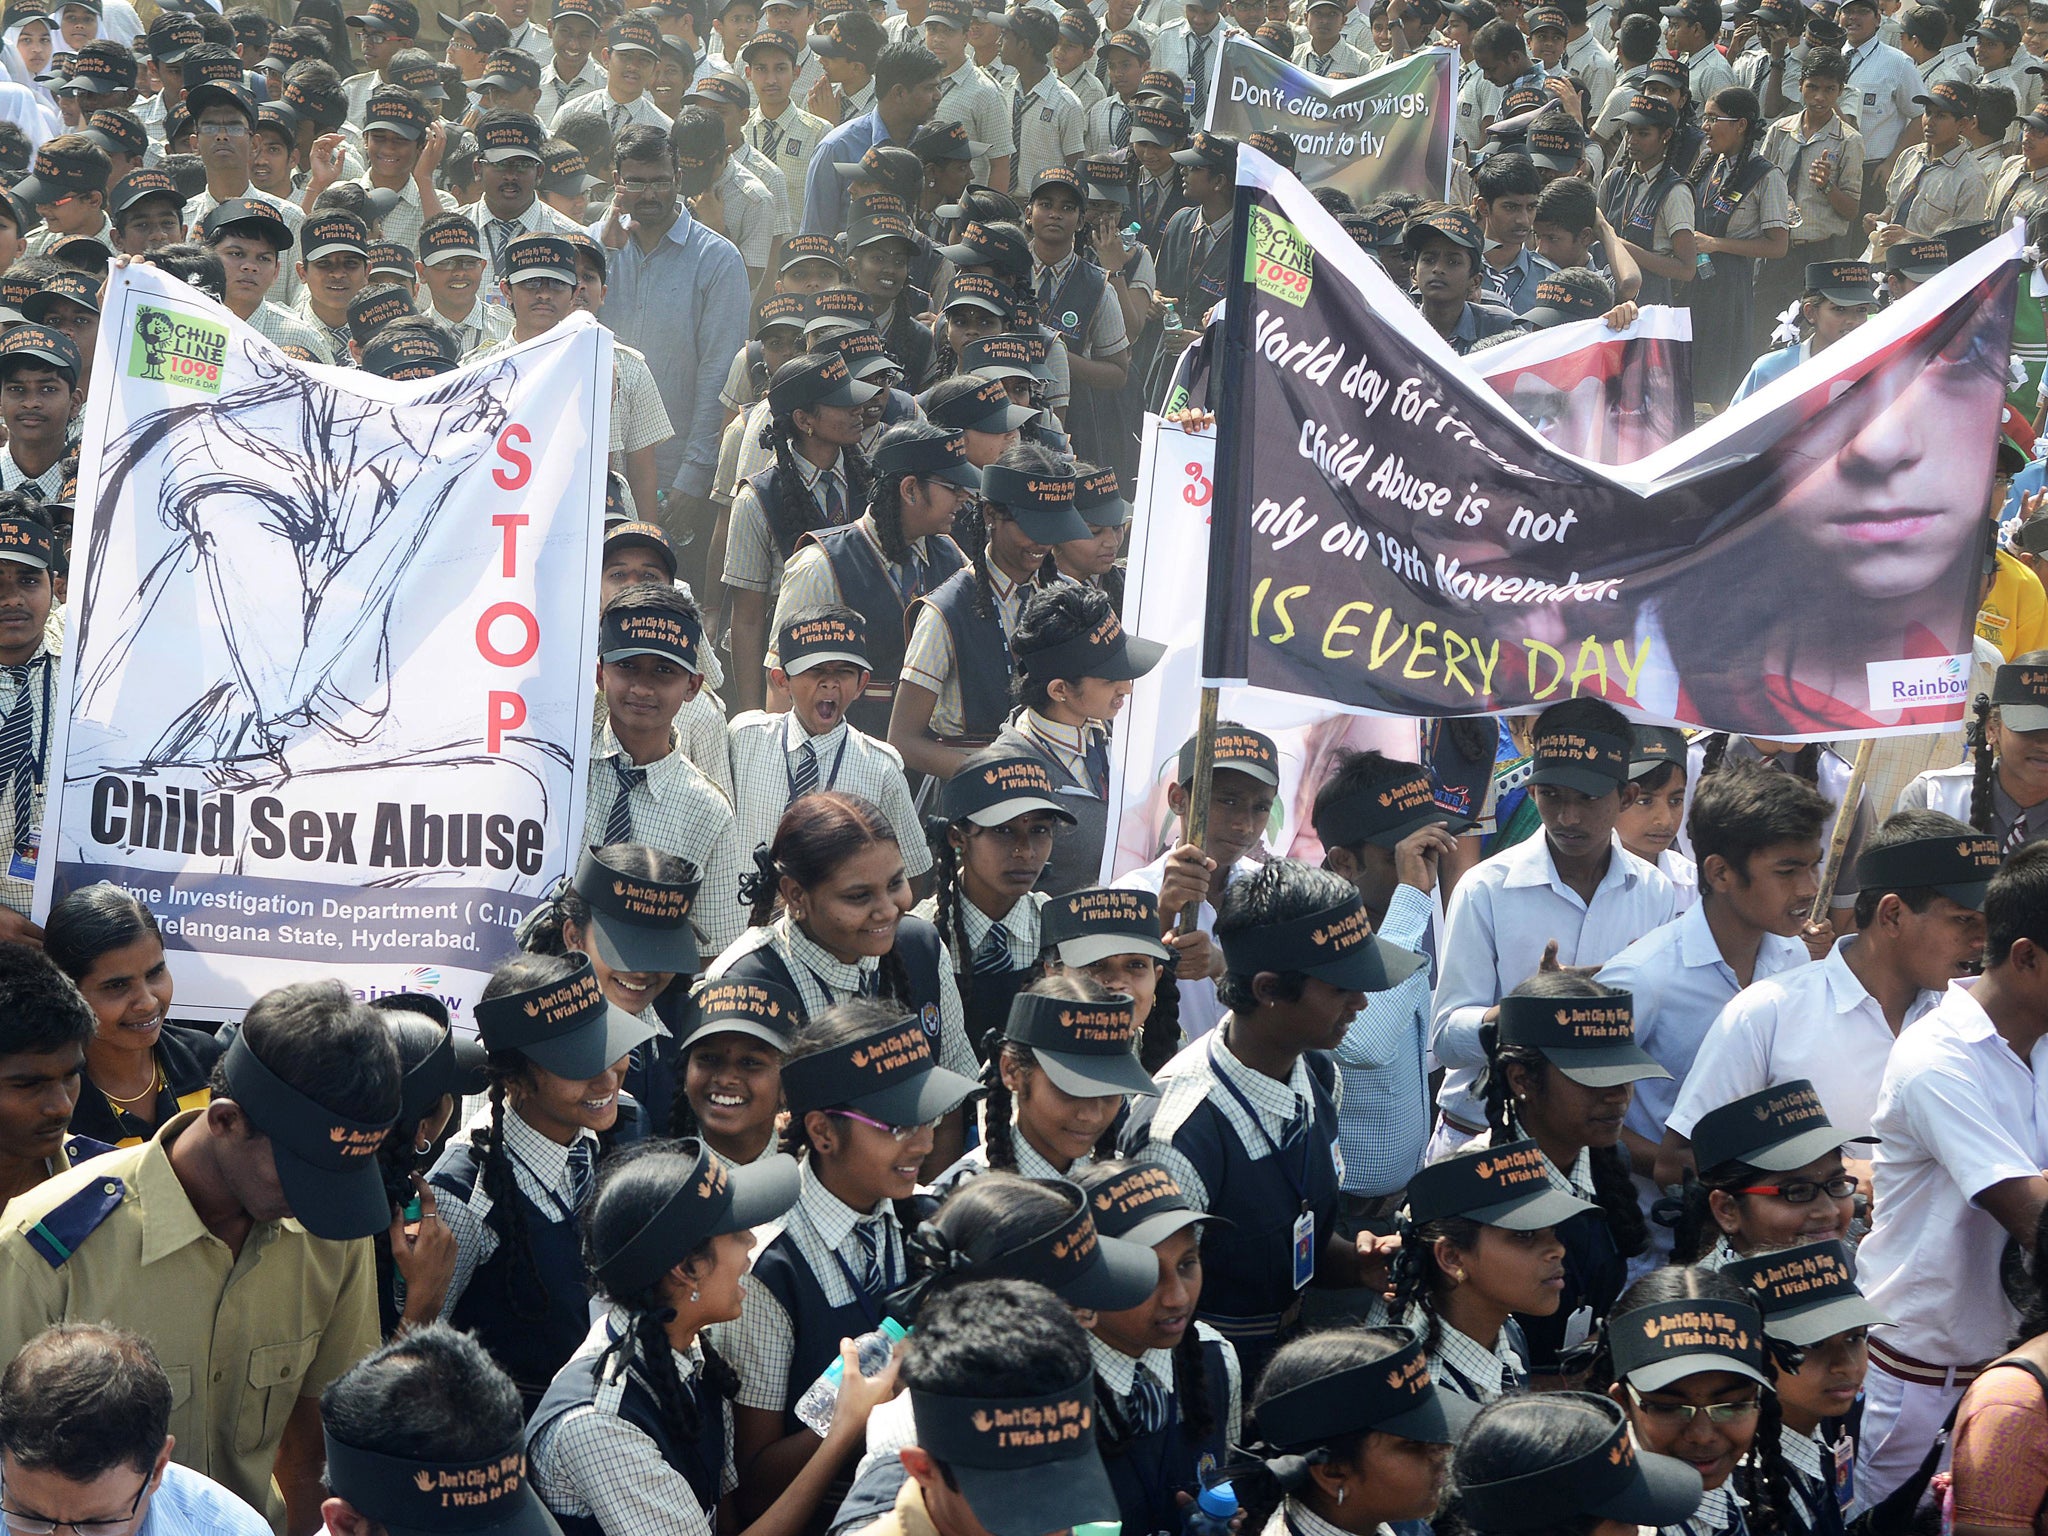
[803, 773]
[768, 139]
[17, 750]
[1120, 125]
[618, 822]
[993, 953]
[1146, 1406]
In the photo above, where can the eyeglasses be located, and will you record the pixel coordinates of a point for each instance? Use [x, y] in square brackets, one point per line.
[1682, 1414]
[1707, 119]
[900, 1132]
[1804, 1191]
[642, 184]
[234, 130]
[35, 1525]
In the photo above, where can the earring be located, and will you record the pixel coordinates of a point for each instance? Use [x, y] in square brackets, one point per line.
[693, 1295]
[423, 1147]
[1340, 1493]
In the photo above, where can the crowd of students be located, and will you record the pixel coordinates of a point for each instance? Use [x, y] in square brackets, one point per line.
[837, 1152]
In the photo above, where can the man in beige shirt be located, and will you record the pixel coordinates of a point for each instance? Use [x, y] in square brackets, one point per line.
[236, 1241]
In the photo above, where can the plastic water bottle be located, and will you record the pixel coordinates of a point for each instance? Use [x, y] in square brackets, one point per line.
[1704, 265]
[816, 1406]
[1212, 1511]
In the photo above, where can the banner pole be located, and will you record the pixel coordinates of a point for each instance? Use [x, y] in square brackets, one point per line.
[1198, 791]
[1845, 823]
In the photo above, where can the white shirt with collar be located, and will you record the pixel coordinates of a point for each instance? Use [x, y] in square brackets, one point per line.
[1814, 1021]
[1879, 100]
[1681, 983]
[1959, 1112]
[1501, 916]
[764, 755]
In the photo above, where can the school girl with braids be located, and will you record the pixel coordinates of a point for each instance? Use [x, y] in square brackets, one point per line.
[628, 910]
[1479, 1246]
[1056, 1080]
[636, 1430]
[1001, 815]
[845, 931]
[511, 1184]
[1167, 1387]
[1770, 1174]
[2003, 788]
[732, 1040]
[1000, 1227]
[1810, 1303]
[1686, 1357]
[1075, 668]
[440, 1069]
[956, 686]
[819, 480]
[1744, 217]
[1561, 1062]
[897, 551]
[1352, 1436]
[865, 1094]
[1111, 935]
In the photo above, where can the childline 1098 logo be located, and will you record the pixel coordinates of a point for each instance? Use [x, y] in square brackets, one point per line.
[1280, 260]
[176, 349]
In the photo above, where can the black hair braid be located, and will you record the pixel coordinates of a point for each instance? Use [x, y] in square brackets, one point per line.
[1161, 1040]
[682, 1119]
[1695, 1232]
[885, 505]
[1765, 1485]
[1806, 763]
[1984, 764]
[997, 1134]
[949, 913]
[1614, 1191]
[1259, 1495]
[527, 1299]
[795, 1140]
[1048, 571]
[892, 979]
[1713, 748]
[645, 1347]
[761, 887]
[541, 932]
[792, 511]
[1191, 1386]
[719, 1374]
[973, 517]
[1414, 1270]
[1499, 1118]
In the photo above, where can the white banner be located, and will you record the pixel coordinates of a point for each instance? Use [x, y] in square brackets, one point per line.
[329, 652]
[1169, 562]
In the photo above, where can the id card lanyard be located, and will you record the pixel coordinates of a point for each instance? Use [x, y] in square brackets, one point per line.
[1305, 1221]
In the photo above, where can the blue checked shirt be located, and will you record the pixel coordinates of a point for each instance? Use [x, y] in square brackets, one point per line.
[1384, 1118]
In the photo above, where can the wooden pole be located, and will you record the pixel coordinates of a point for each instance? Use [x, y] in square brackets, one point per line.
[1845, 823]
[1198, 792]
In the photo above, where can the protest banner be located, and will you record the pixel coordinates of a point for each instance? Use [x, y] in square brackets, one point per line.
[1609, 396]
[329, 652]
[1804, 567]
[1388, 131]
[1169, 556]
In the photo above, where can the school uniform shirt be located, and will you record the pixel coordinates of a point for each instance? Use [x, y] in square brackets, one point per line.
[1952, 63]
[1957, 1113]
[808, 581]
[1771, 367]
[1879, 100]
[1683, 874]
[555, 1178]
[753, 562]
[1502, 914]
[1200, 1009]
[39, 243]
[2026, 88]
[1796, 153]
[32, 687]
[1086, 88]
[771, 176]
[1193, 57]
[1016, 928]
[592, 1464]
[1810, 1469]
[1342, 62]
[1195, 1077]
[1606, 123]
[1384, 1064]
[1719, 1514]
[285, 290]
[929, 661]
[1517, 280]
[484, 324]
[334, 339]
[557, 92]
[854, 103]
[2018, 191]
[1106, 333]
[536, 219]
[767, 751]
[823, 979]
[283, 327]
[788, 142]
[1462, 1364]
[617, 116]
[244, 1337]
[677, 810]
[1047, 121]
[1478, 104]
[1031, 1163]
[1949, 789]
[1677, 211]
[1588, 62]
[820, 1226]
[1294, 1518]
[1119, 1372]
[1681, 983]
[970, 98]
[1814, 1021]
[402, 224]
[749, 214]
[50, 482]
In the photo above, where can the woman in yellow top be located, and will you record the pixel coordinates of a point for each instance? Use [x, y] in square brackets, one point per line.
[139, 1069]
